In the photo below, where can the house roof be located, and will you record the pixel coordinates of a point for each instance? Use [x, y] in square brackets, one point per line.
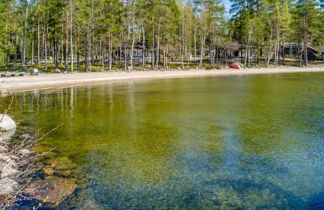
[294, 44]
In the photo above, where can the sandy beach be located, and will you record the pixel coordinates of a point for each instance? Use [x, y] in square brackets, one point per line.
[44, 81]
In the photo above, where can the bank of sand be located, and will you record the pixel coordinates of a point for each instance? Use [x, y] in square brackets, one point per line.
[44, 81]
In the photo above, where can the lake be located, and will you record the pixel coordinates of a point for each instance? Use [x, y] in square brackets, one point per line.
[254, 141]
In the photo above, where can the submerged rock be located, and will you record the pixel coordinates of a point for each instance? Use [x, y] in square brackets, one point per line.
[8, 186]
[51, 191]
[48, 171]
[61, 163]
[61, 166]
[6, 123]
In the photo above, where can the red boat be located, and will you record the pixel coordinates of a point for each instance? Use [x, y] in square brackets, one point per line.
[235, 66]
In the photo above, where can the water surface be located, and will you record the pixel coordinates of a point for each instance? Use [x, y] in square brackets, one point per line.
[193, 143]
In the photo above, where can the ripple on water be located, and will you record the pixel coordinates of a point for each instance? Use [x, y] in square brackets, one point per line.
[252, 142]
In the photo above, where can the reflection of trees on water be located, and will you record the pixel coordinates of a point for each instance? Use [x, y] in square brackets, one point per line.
[174, 144]
[101, 119]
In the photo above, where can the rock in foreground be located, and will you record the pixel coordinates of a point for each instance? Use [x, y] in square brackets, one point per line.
[6, 123]
[8, 171]
[8, 186]
[7, 135]
[51, 191]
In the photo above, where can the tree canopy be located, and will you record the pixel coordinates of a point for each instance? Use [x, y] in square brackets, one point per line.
[103, 34]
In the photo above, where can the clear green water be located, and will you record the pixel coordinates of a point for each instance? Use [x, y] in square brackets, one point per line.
[197, 143]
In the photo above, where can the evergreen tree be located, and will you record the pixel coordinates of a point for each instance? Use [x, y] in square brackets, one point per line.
[3, 11]
[210, 15]
[101, 34]
[308, 24]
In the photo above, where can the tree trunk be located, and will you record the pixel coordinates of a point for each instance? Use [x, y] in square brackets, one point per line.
[158, 47]
[66, 45]
[15, 60]
[305, 53]
[78, 58]
[71, 36]
[133, 43]
[125, 55]
[23, 60]
[65, 56]
[33, 48]
[87, 58]
[45, 45]
[22, 50]
[202, 43]
[153, 47]
[143, 45]
[283, 54]
[38, 43]
[164, 59]
[195, 42]
[90, 47]
[110, 52]
[61, 49]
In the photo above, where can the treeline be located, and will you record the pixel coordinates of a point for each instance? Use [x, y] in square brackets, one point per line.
[81, 34]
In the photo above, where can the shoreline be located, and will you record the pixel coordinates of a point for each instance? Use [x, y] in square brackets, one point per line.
[52, 80]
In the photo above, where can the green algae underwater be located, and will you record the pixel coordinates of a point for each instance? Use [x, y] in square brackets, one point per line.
[239, 142]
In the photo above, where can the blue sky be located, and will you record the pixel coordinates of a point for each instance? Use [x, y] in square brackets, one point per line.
[227, 4]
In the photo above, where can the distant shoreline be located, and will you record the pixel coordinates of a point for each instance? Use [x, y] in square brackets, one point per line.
[60, 80]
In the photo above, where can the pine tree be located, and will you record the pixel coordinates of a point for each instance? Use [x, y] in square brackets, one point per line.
[3, 11]
[108, 26]
[308, 24]
[210, 14]
[280, 17]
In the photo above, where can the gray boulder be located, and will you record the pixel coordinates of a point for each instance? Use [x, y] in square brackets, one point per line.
[6, 135]
[6, 123]
[7, 172]
[8, 186]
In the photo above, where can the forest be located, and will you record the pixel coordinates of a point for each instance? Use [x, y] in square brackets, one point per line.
[101, 35]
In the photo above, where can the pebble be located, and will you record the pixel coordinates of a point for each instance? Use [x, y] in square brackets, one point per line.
[14, 157]
[3, 149]
[4, 158]
[24, 137]
[24, 152]
[7, 160]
